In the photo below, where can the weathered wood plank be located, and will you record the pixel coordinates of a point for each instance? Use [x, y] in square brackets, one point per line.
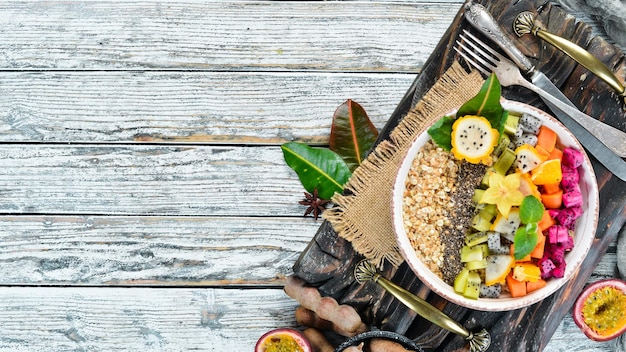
[187, 251]
[173, 319]
[154, 251]
[229, 36]
[187, 107]
[119, 319]
[205, 238]
[147, 180]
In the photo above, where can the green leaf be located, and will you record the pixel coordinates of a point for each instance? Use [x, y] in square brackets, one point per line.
[525, 241]
[352, 133]
[441, 132]
[317, 168]
[531, 210]
[486, 104]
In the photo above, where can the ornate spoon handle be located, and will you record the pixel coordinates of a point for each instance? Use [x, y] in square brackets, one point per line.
[525, 23]
[479, 341]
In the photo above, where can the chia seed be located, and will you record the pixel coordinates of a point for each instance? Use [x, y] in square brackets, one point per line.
[452, 237]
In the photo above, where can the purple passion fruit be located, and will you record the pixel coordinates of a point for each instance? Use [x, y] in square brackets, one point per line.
[600, 310]
[283, 340]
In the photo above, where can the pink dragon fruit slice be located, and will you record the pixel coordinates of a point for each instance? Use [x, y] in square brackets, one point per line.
[563, 235]
[568, 244]
[572, 157]
[553, 213]
[557, 254]
[567, 217]
[546, 266]
[557, 234]
[559, 271]
[572, 198]
[558, 258]
[572, 187]
[576, 211]
[570, 178]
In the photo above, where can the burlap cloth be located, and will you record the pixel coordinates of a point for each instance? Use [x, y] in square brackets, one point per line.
[363, 214]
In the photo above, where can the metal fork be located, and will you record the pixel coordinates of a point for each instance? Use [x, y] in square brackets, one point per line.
[487, 60]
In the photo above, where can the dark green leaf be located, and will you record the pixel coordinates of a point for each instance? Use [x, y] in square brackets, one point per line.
[317, 168]
[531, 210]
[525, 241]
[352, 133]
[441, 132]
[486, 104]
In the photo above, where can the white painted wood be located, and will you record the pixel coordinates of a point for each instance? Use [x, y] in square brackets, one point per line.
[226, 36]
[187, 107]
[139, 319]
[147, 180]
[174, 319]
[139, 148]
[150, 251]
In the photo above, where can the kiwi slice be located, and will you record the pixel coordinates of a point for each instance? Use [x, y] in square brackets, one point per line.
[502, 145]
[476, 238]
[505, 161]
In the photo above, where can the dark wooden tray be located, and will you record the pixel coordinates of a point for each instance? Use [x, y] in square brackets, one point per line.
[327, 262]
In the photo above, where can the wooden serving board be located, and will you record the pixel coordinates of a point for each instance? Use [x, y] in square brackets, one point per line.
[328, 261]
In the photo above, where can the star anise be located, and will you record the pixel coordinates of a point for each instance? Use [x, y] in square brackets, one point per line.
[315, 204]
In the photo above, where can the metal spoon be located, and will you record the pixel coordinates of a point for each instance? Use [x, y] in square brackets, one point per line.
[478, 341]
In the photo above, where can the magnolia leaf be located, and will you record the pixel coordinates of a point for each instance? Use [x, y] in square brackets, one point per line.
[319, 168]
[441, 132]
[531, 210]
[352, 133]
[486, 104]
[525, 240]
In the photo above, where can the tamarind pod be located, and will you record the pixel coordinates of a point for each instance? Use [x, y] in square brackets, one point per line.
[308, 297]
[350, 320]
[308, 317]
[318, 340]
[383, 345]
[345, 317]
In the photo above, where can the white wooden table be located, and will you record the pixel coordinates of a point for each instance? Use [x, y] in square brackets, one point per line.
[144, 200]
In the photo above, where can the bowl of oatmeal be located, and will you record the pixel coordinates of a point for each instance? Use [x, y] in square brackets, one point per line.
[434, 210]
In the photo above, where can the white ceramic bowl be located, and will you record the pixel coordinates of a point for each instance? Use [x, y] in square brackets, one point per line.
[583, 238]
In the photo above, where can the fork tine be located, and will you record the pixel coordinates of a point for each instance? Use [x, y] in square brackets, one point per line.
[471, 62]
[483, 58]
[481, 44]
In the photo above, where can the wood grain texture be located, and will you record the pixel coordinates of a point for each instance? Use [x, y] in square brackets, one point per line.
[139, 319]
[150, 251]
[137, 211]
[172, 319]
[225, 36]
[147, 180]
[187, 107]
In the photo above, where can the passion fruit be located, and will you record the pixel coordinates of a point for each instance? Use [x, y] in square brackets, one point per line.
[283, 340]
[600, 310]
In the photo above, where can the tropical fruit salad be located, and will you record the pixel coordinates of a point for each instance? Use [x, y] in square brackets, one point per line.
[491, 201]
